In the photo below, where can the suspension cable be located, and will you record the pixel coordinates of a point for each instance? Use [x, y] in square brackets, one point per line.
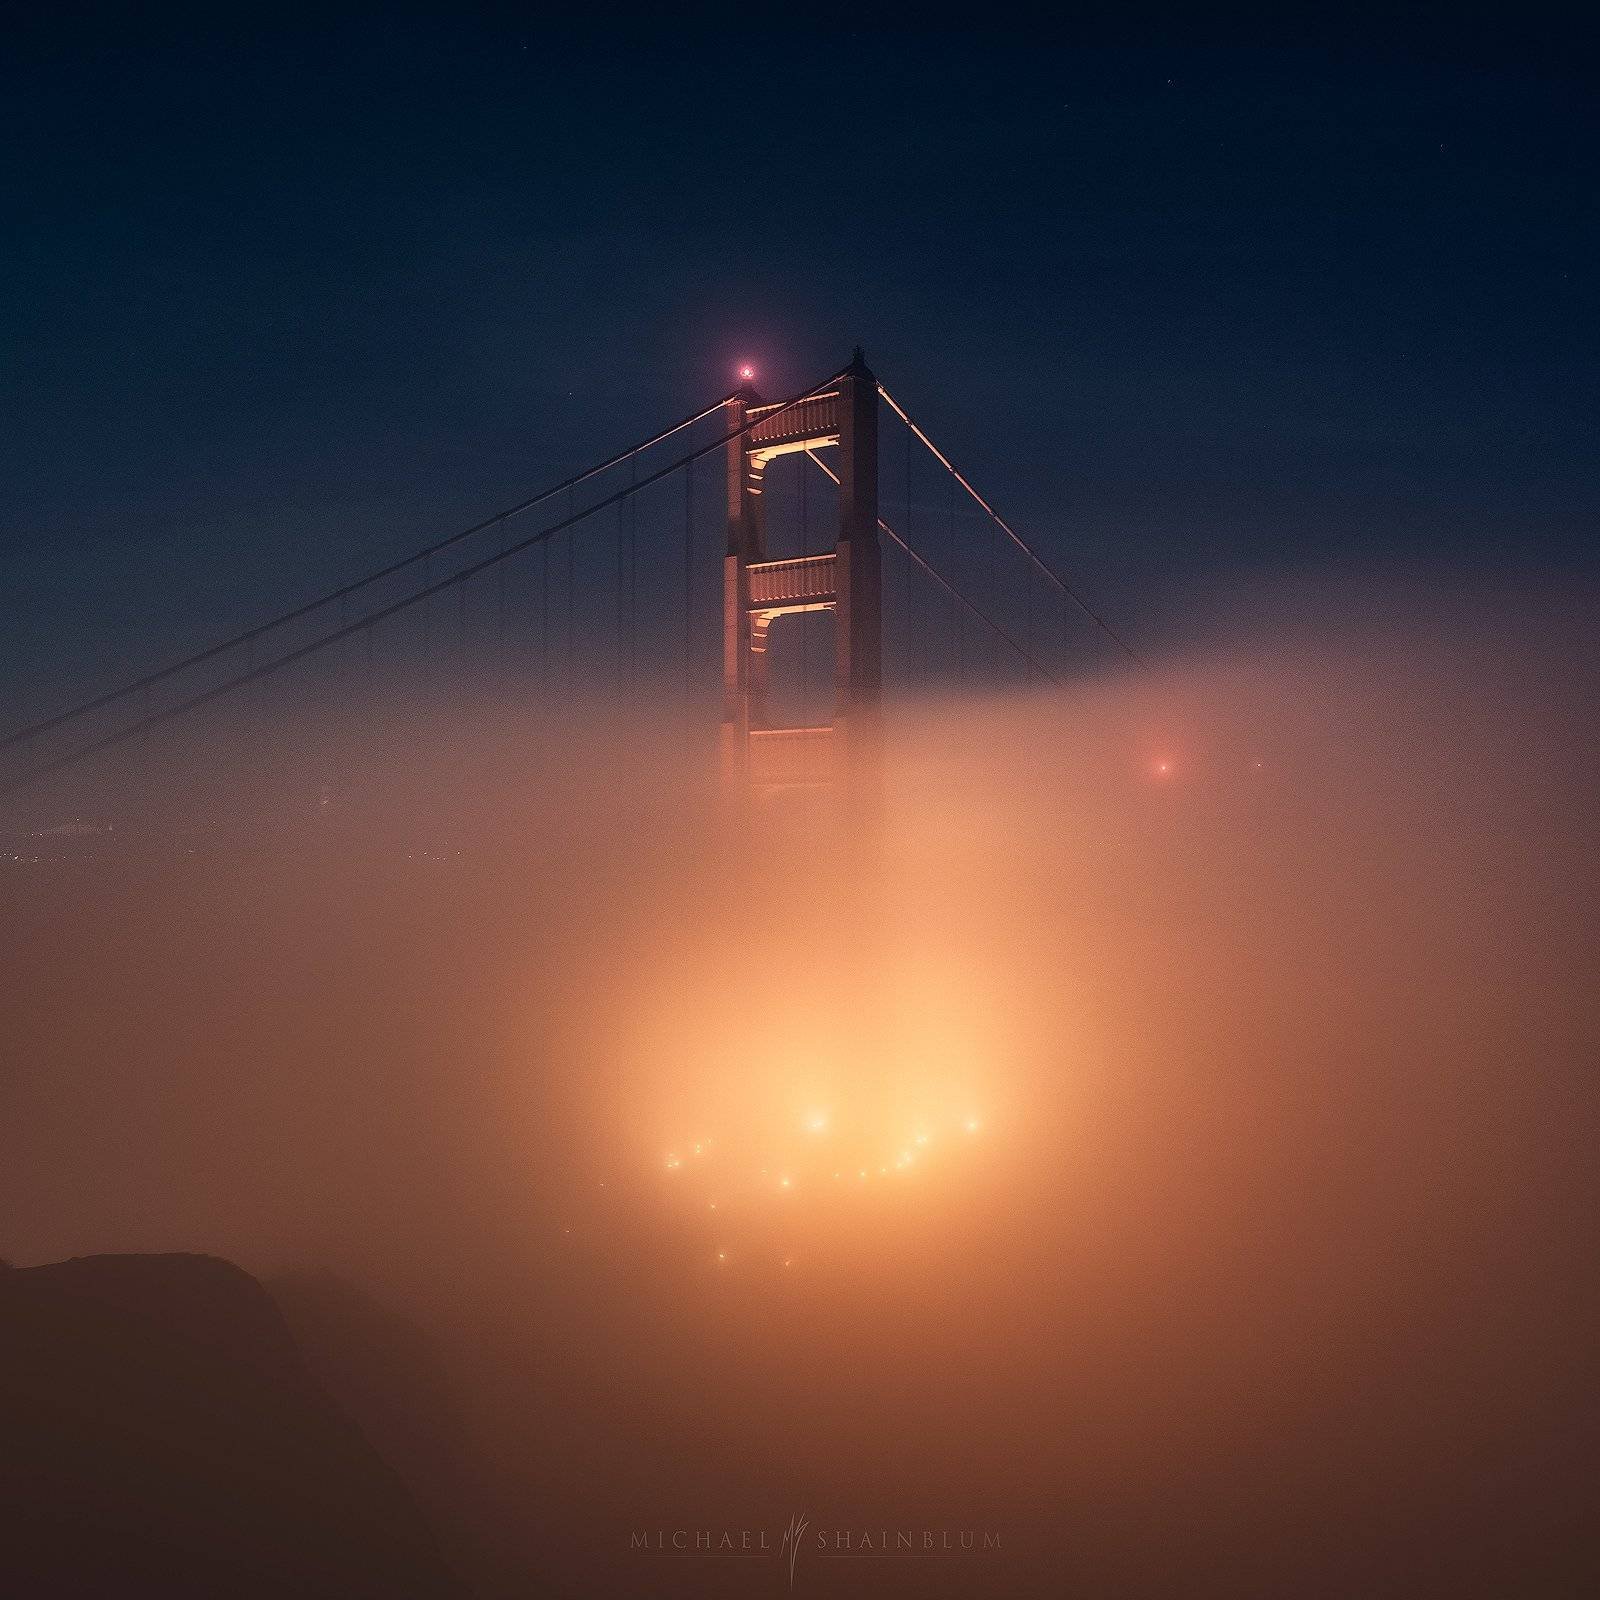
[342, 593]
[950, 589]
[1016, 538]
[419, 596]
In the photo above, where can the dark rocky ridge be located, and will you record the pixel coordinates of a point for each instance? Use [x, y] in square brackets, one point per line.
[160, 1434]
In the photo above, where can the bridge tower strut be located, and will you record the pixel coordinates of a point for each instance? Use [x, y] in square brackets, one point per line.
[759, 759]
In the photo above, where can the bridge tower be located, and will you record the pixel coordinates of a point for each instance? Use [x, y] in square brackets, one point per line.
[758, 759]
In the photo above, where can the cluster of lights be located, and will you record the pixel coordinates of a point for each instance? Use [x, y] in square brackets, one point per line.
[816, 1125]
[817, 1128]
[673, 1161]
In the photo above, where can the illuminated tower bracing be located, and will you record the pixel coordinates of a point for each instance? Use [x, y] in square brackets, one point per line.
[759, 759]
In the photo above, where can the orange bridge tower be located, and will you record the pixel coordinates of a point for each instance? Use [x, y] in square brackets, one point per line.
[758, 759]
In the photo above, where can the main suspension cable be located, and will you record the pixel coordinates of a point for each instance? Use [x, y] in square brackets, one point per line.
[342, 593]
[950, 589]
[1016, 538]
[420, 596]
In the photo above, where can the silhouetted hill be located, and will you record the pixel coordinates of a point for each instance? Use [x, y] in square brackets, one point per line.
[388, 1376]
[161, 1435]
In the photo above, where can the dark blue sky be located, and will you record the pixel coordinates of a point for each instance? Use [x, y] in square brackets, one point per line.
[284, 302]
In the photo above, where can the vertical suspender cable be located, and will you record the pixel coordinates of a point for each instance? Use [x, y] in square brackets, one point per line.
[144, 758]
[342, 662]
[500, 604]
[427, 608]
[620, 573]
[688, 582]
[572, 540]
[632, 504]
[955, 569]
[994, 601]
[544, 614]
[622, 594]
[1027, 578]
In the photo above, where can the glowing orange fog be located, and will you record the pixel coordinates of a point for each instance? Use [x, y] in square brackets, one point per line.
[778, 1108]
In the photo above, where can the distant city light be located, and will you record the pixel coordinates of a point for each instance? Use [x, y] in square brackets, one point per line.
[746, 372]
[817, 1136]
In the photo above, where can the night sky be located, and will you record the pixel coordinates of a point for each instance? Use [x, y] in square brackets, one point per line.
[284, 302]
